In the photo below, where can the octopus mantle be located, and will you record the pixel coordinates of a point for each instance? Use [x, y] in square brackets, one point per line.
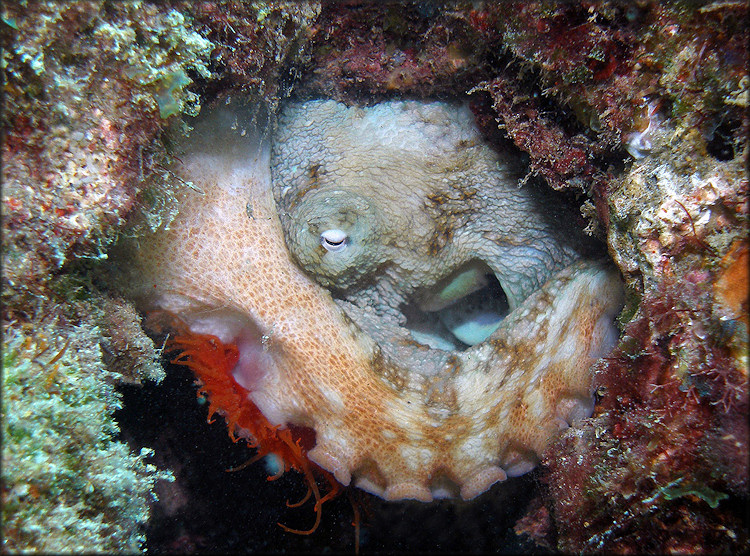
[223, 267]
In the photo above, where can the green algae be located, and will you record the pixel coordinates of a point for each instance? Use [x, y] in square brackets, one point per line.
[168, 93]
[157, 51]
[676, 490]
[68, 484]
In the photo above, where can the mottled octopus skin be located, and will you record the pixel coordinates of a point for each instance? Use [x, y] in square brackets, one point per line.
[421, 197]
[223, 267]
[419, 193]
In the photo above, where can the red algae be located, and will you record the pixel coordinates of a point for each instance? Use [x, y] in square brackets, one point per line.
[561, 158]
[370, 50]
[253, 42]
[668, 439]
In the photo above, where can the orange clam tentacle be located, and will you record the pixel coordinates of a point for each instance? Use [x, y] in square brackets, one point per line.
[304, 499]
[242, 466]
[318, 513]
[212, 361]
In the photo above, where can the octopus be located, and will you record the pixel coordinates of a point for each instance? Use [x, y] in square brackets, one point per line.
[414, 222]
[389, 285]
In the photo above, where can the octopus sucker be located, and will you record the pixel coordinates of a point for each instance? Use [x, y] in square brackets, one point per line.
[323, 343]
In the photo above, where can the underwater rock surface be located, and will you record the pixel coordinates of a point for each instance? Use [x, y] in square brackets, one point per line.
[637, 113]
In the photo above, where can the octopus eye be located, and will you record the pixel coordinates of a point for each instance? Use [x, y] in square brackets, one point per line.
[333, 240]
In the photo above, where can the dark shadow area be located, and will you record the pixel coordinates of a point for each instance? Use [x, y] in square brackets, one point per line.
[463, 323]
[721, 145]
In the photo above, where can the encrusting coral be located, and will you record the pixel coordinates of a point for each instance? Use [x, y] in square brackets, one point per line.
[81, 124]
[85, 102]
[68, 485]
[678, 232]
[662, 465]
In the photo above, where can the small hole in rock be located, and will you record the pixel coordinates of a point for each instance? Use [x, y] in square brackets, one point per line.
[721, 145]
